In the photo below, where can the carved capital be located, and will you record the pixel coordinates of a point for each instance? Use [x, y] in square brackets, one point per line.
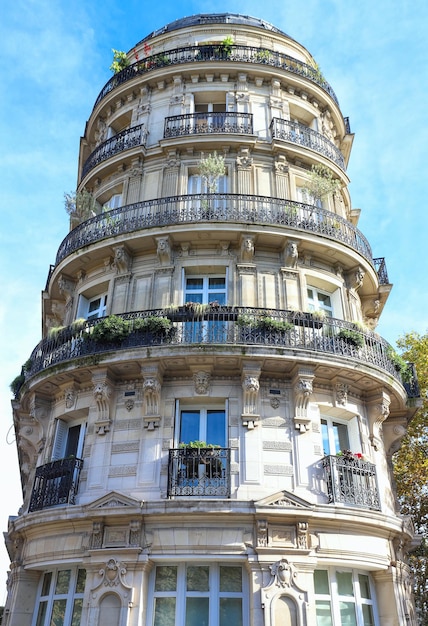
[250, 394]
[291, 253]
[122, 259]
[378, 411]
[164, 250]
[103, 391]
[303, 389]
[247, 249]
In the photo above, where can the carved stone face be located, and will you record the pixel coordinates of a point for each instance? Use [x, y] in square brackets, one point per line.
[202, 381]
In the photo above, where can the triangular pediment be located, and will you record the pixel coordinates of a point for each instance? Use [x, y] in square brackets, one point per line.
[284, 500]
[114, 500]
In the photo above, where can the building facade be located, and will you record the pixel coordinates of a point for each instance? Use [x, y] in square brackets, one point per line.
[205, 430]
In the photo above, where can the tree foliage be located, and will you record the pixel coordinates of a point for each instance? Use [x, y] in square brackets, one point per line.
[120, 61]
[411, 468]
[321, 183]
[80, 204]
[211, 168]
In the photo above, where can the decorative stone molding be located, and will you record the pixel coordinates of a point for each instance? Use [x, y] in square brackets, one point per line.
[356, 278]
[152, 384]
[302, 529]
[393, 434]
[172, 161]
[281, 165]
[303, 389]
[163, 250]
[283, 575]
[247, 249]
[250, 396]
[291, 254]
[66, 286]
[97, 535]
[262, 533]
[122, 260]
[113, 574]
[135, 532]
[341, 394]
[378, 411]
[70, 395]
[244, 160]
[103, 391]
[202, 380]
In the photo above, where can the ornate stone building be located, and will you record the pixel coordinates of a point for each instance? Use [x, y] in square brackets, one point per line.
[241, 321]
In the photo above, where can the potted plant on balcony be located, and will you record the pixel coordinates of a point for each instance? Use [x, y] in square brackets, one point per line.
[263, 327]
[352, 337]
[199, 459]
[157, 326]
[111, 329]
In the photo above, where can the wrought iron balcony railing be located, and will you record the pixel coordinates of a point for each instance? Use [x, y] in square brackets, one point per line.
[228, 208]
[125, 140]
[300, 134]
[199, 472]
[227, 326]
[216, 53]
[55, 483]
[351, 481]
[208, 123]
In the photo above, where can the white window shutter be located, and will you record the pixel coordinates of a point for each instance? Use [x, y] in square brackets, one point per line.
[60, 440]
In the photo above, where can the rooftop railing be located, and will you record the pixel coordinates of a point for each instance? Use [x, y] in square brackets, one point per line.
[208, 123]
[227, 208]
[228, 326]
[217, 53]
[298, 133]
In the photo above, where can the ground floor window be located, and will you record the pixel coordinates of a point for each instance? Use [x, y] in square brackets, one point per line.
[198, 595]
[60, 598]
[344, 598]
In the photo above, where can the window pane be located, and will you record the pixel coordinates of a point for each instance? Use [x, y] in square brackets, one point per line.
[344, 584]
[198, 578]
[189, 427]
[325, 440]
[164, 612]
[368, 615]
[41, 614]
[231, 579]
[230, 611]
[216, 428]
[62, 581]
[194, 283]
[217, 282]
[58, 613]
[364, 586]
[321, 582]
[80, 581]
[197, 612]
[166, 578]
[341, 436]
[46, 583]
[77, 613]
[323, 613]
[347, 614]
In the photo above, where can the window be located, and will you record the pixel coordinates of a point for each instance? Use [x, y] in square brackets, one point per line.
[344, 598]
[198, 595]
[113, 203]
[335, 437]
[203, 290]
[69, 439]
[304, 196]
[319, 301]
[198, 185]
[92, 308]
[207, 425]
[60, 598]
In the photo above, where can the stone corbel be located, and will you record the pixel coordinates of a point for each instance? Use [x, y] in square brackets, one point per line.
[244, 160]
[303, 389]
[66, 286]
[250, 395]
[122, 260]
[39, 410]
[341, 391]
[291, 253]
[378, 411]
[393, 434]
[152, 385]
[247, 249]
[356, 278]
[103, 391]
[281, 165]
[163, 250]
[201, 379]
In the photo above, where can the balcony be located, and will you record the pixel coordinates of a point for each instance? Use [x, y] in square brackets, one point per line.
[351, 481]
[209, 208]
[227, 326]
[55, 483]
[215, 54]
[301, 135]
[199, 472]
[125, 140]
[208, 123]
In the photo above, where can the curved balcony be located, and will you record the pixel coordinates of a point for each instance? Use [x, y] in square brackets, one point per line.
[125, 140]
[226, 208]
[193, 325]
[298, 133]
[208, 123]
[216, 53]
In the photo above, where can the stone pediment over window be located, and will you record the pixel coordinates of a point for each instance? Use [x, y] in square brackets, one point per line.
[114, 500]
[285, 500]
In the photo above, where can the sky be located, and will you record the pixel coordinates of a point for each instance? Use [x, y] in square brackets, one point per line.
[55, 59]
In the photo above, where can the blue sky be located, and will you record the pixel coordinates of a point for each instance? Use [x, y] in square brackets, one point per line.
[55, 60]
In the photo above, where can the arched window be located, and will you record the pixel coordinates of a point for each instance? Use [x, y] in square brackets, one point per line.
[110, 609]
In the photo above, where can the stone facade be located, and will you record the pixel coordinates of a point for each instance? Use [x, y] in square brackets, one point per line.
[265, 521]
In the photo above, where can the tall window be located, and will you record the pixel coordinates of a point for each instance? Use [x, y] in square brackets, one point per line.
[92, 308]
[60, 598]
[319, 301]
[207, 425]
[203, 290]
[69, 440]
[197, 185]
[344, 598]
[335, 436]
[198, 595]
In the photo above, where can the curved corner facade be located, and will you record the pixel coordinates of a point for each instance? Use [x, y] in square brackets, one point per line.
[205, 429]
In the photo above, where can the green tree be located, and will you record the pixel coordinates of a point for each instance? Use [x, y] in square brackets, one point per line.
[411, 469]
[321, 184]
[211, 169]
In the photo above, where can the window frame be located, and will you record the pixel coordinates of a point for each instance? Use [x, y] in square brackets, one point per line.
[51, 596]
[84, 305]
[314, 304]
[181, 407]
